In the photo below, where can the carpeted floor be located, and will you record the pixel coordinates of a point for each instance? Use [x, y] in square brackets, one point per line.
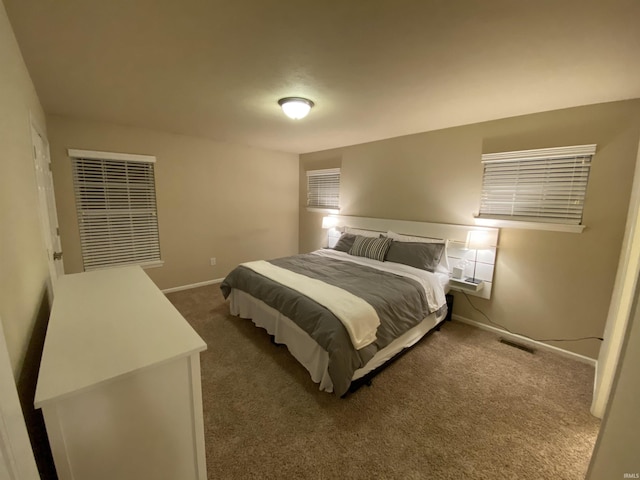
[459, 405]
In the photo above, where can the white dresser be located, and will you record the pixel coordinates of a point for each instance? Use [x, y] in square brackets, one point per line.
[119, 382]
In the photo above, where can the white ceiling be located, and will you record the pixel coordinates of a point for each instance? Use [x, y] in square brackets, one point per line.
[375, 69]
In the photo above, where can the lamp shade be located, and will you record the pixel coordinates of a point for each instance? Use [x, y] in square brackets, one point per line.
[477, 240]
[329, 222]
[295, 107]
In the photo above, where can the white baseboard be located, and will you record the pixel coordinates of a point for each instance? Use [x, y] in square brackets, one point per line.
[193, 285]
[527, 341]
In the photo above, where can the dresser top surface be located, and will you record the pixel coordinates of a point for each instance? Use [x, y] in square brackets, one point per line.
[105, 324]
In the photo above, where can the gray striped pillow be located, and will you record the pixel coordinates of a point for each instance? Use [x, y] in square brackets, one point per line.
[370, 247]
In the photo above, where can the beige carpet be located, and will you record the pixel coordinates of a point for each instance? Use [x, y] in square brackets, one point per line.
[459, 405]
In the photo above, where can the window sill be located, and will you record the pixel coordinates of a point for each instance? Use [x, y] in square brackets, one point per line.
[552, 227]
[334, 211]
[156, 264]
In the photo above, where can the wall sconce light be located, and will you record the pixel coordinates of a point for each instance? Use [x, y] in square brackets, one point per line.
[295, 107]
[476, 240]
[329, 222]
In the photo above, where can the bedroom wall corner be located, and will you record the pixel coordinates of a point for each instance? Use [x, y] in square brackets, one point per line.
[215, 199]
[615, 454]
[311, 235]
[621, 301]
[546, 284]
[24, 270]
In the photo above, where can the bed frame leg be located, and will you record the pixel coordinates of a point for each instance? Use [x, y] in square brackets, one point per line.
[449, 299]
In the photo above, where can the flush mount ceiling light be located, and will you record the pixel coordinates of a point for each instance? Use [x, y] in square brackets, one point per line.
[295, 107]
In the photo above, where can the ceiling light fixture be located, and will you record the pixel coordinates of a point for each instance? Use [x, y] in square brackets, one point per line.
[295, 107]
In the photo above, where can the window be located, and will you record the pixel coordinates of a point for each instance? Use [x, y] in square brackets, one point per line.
[116, 205]
[323, 190]
[545, 186]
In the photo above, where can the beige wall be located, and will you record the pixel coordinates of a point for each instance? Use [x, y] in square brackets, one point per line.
[214, 199]
[23, 266]
[546, 284]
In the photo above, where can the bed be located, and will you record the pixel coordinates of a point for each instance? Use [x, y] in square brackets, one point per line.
[346, 311]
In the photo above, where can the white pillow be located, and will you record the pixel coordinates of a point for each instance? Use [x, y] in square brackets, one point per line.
[443, 266]
[363, 233]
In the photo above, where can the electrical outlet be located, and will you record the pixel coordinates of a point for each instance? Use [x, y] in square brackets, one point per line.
[212, 260]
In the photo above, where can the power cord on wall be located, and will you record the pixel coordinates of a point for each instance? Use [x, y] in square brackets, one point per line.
[527, 336]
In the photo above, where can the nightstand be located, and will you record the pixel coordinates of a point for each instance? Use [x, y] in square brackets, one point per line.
[459, 284]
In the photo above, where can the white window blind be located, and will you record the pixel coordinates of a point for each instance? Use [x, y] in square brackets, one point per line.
[546, 185]
[323, 189]
[116, 206]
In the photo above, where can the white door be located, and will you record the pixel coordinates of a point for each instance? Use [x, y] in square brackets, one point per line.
[16, 456]
[47, 206]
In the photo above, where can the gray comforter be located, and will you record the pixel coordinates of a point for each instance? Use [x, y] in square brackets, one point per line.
[399, 301]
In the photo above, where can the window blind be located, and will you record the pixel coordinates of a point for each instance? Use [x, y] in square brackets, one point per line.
[117, 216]
[545, 185]
[323, 189]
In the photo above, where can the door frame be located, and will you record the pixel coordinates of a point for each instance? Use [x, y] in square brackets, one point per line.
[620, 308]
[16, 456]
